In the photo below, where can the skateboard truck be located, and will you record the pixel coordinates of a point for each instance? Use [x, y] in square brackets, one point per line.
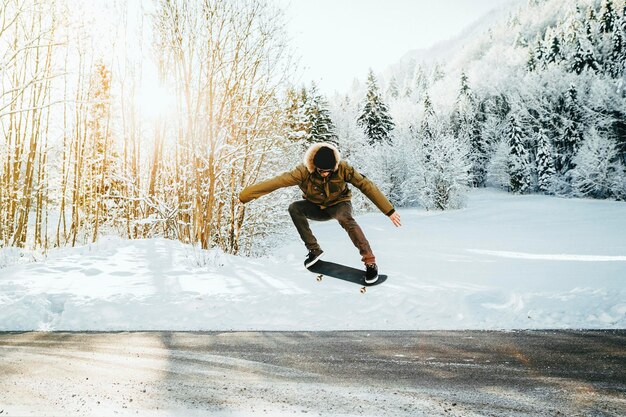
[321, 276]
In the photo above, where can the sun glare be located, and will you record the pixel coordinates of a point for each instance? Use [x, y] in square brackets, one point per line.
[155, 101]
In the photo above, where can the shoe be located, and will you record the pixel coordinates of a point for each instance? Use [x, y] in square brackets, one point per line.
[312, 257]
[371, 273]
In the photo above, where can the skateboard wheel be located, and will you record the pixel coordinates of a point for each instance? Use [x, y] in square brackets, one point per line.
[363, 289]
[319, 278]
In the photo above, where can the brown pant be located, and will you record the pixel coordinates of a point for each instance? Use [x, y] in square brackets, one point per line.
[303, 210]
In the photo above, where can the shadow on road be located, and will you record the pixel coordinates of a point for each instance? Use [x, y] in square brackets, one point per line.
[331, 373]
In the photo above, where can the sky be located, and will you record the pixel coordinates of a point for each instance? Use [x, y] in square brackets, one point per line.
[339, 40]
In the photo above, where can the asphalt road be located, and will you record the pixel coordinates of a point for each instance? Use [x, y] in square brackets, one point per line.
[469, 373]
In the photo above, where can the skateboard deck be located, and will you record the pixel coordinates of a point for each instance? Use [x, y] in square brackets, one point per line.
[344, 273]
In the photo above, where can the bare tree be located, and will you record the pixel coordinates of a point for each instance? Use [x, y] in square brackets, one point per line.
[226, 60]
[26, 41]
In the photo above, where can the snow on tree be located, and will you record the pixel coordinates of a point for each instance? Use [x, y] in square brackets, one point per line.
[393, 91]
[519, 164]
[375, 119]
[531, 63]
[570, 137]
[297, 124]
[545, 162]
[448, 173]
[427, 126]
[322, 128]
[554, 52]
[466, 127]
[608, 18]
[438, 72]
[582, 59]
[438, 168]
[618, 55]
[598, 172]
[498, 167]
[540, 53]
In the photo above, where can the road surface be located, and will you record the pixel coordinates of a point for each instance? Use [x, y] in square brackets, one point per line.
[464, 373]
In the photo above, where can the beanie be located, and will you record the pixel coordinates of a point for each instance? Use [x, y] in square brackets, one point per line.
[325, 158]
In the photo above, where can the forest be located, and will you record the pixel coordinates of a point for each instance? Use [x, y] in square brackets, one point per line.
[144, 119]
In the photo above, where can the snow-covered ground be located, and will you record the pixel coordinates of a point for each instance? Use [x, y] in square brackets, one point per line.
[504, 262]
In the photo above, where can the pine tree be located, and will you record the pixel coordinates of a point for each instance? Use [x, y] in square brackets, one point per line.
[393, 91]
[297, 125]
[607, 21]
[318, 115]
[540, 54]
[578, 63]
[554, 54]
[583, 59]
[427, 129]
[438, 73]
[498, 166]
[466, 127]
[545, 162]
[420, 80]
[571, 136]
[519, 166]
[618, 55]
[375, 119]
[531, 63]
[590, 26]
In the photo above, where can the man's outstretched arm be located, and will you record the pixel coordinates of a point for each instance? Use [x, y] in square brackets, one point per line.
[367, 187]
[286, 179]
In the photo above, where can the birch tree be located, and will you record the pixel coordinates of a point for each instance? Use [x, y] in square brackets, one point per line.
[225, 60]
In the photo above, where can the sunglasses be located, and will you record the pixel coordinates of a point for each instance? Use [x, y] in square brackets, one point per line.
[323, 171]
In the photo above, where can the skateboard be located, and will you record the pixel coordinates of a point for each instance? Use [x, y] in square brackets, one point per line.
[344, 273]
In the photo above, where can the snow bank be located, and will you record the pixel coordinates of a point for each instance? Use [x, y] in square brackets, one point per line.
[504, 262]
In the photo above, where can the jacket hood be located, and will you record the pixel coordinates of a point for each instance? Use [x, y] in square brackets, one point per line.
[310, 154]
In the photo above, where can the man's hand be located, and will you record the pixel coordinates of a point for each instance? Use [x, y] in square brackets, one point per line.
[395, 219]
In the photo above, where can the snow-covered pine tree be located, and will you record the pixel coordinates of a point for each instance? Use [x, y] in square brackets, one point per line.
[618, 54]
[297, 125]
[578, 59]
[465, 127]
[570, 138]
[608, 18]
[393, 92]
[498, 166]
[540, 53]
[531, 63]
[554, 52]
[545, 162]
[427, 130]
[590, 60]
[519, 164]
[597, 168]
[420, 80]
[318, 115]
[582, 59]
[438, 72]
[375, 119]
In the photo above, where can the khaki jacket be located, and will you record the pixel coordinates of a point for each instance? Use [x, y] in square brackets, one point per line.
[324, 192]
